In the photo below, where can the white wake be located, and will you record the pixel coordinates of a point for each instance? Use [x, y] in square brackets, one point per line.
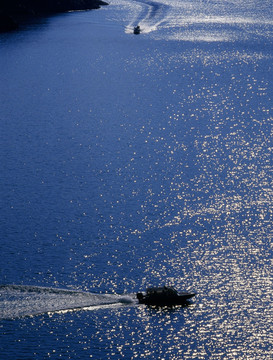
[20, 300]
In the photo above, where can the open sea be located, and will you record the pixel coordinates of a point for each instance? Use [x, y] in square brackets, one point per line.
[130, 161]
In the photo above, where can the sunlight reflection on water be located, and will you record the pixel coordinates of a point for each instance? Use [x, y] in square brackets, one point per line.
[153, 167]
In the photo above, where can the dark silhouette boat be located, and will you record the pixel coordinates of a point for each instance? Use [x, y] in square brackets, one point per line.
[137, 29]
[164, 296]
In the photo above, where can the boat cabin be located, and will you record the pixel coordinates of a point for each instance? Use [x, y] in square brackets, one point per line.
[165, 291]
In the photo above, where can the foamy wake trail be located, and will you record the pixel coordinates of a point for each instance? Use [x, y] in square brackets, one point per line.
[199, 21]
[19, 300]
[150, 16]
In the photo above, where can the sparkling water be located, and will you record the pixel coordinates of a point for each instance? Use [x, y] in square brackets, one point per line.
[130, 161]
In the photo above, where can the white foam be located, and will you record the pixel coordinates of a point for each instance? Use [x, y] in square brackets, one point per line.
[19, 300]
[195, 21]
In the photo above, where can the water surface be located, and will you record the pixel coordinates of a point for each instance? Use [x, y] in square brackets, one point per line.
[129, 161]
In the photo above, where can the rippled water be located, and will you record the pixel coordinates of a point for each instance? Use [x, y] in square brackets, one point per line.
[129, 161]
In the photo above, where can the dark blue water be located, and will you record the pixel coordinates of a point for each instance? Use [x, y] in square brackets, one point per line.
[129, 161]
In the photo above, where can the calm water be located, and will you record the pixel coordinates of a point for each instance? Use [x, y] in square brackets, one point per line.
[129, 161]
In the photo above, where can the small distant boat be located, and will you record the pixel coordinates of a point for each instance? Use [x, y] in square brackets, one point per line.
[137, 29]
[164, 296]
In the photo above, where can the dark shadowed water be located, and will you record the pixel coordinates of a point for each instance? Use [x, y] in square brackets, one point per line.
[129, 161]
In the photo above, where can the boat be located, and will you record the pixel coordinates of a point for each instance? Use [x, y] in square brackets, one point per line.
[164, 296]
[137, 29]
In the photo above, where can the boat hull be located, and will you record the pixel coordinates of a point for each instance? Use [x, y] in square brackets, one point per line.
[137, 30]
[180, 299]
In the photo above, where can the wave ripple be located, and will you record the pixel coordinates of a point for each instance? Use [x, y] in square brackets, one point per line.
[151, 15]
